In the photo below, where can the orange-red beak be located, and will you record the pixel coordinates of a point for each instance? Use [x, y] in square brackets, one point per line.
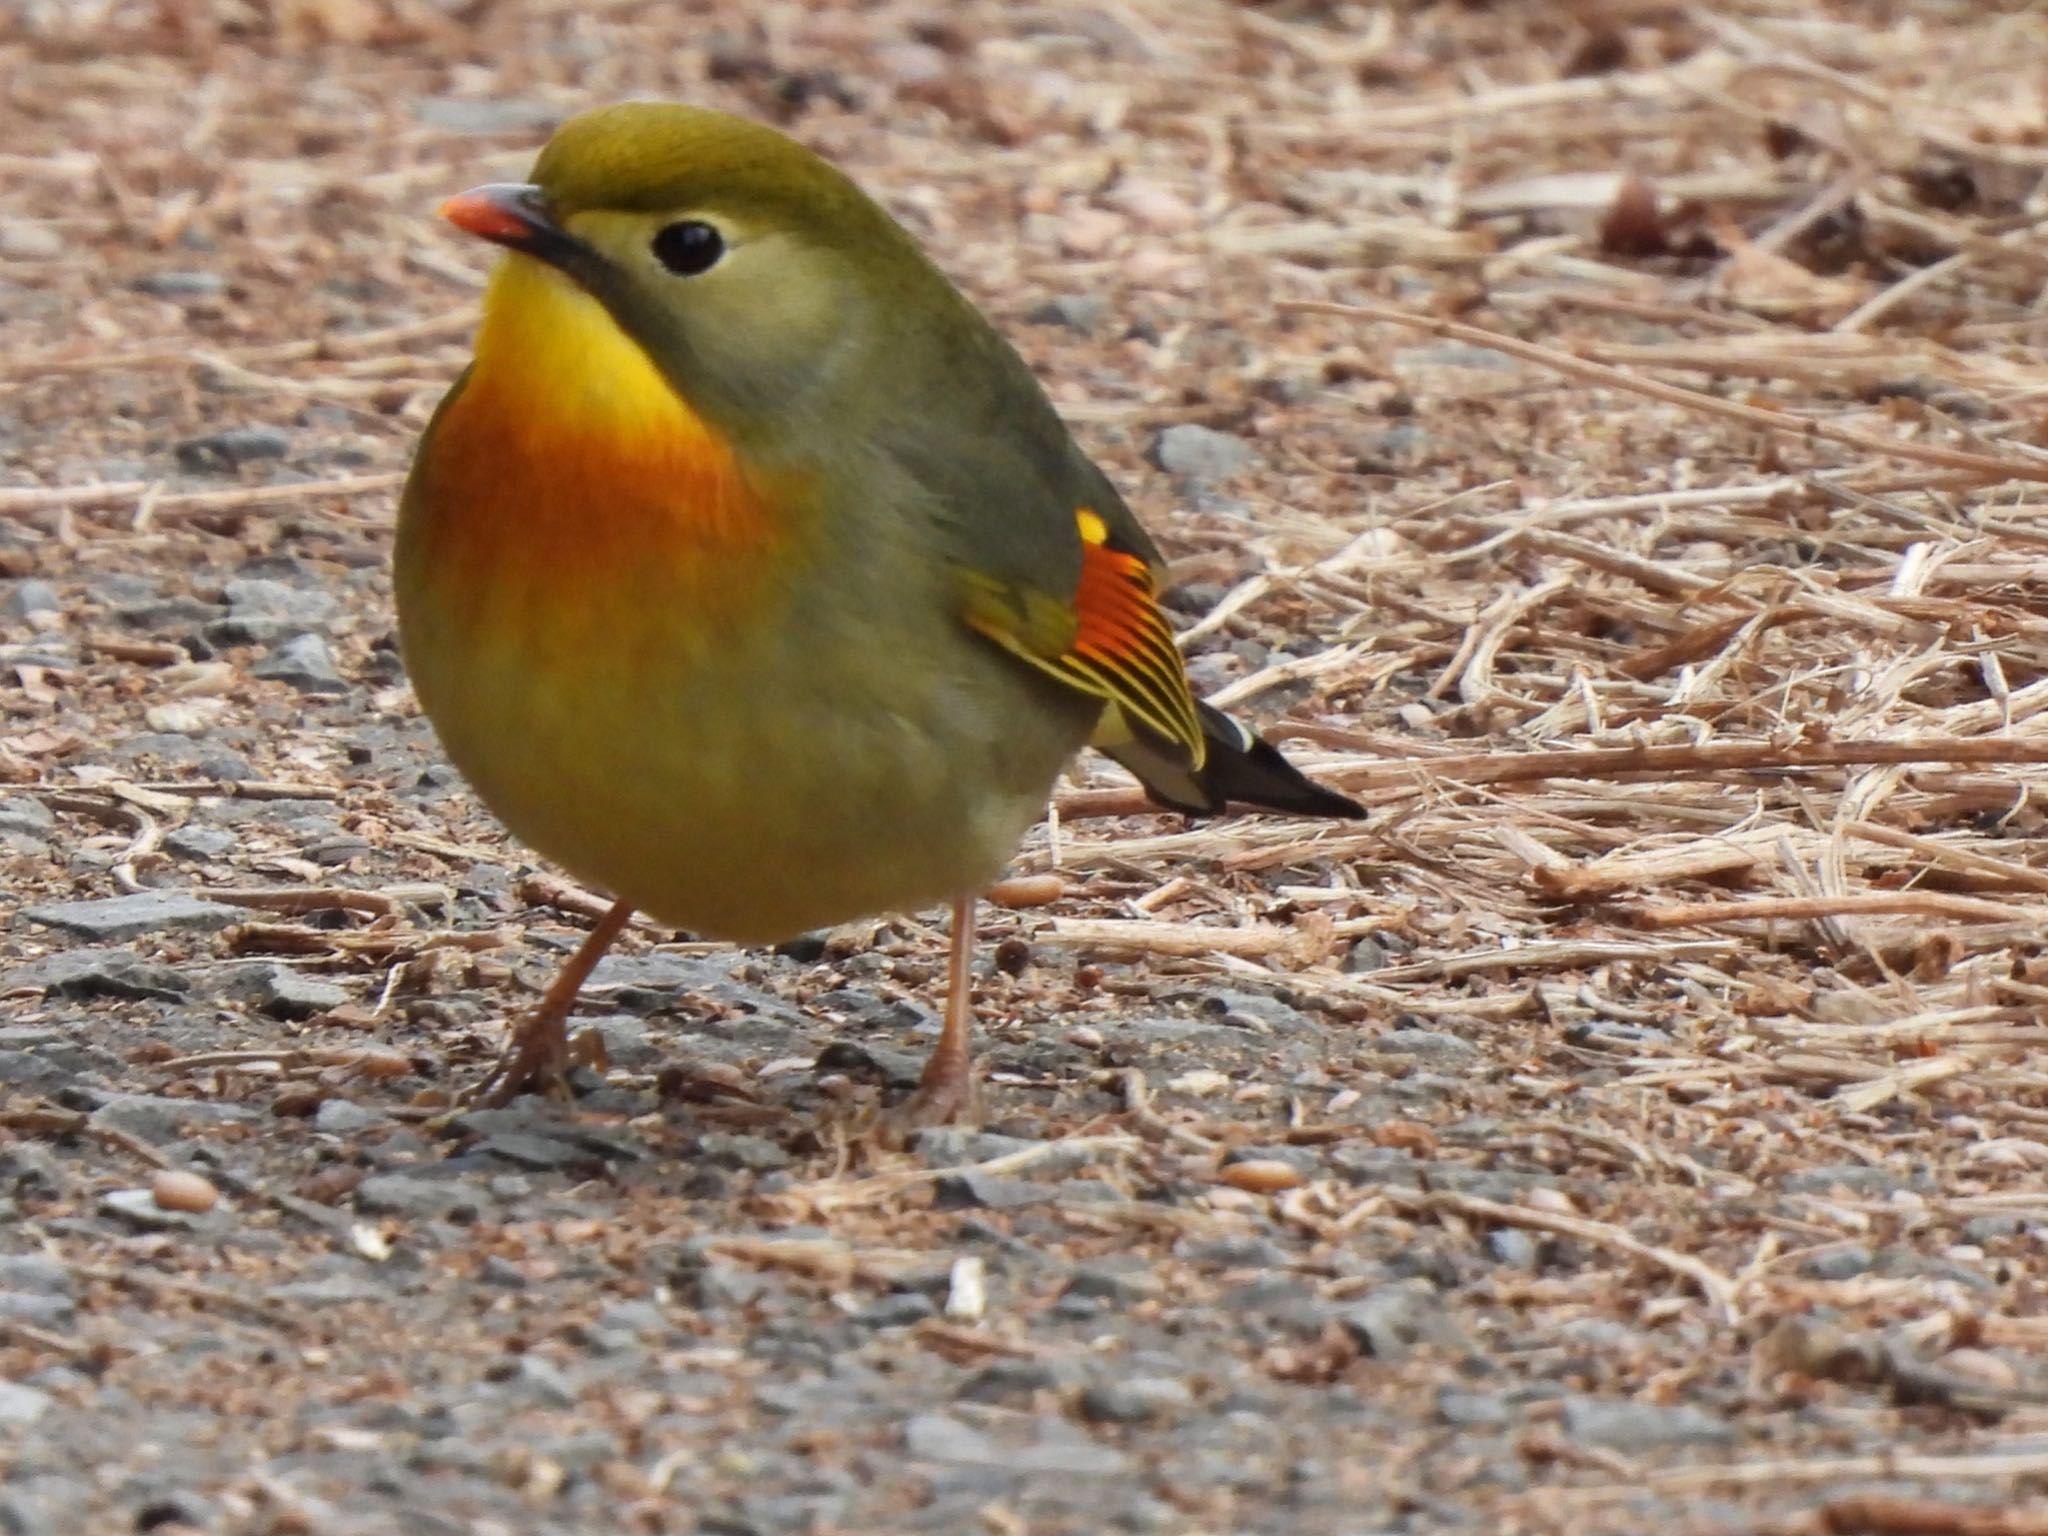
[516, 216]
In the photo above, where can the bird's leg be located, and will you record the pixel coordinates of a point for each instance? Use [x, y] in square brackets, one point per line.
[540, 1053]
[946, 1091]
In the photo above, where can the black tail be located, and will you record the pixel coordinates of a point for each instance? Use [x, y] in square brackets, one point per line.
[1242, 769]
[1238, 768]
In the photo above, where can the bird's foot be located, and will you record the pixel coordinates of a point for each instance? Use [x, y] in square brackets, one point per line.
[949, 1096]
[539, 1058]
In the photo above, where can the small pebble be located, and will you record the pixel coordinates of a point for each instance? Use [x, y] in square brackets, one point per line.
[225, 450]
[304, 662]
[1195, 452]
[1137, 1400]
[1261, 1175]
[967, 1289]
[1844, 1261]
[179, 1189]
[1080, 312]
[1981, 1368]
[1027, 891]
[21, 240]
[1513, 1247]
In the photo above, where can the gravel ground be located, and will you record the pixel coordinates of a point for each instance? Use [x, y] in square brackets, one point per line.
[1364, 1184]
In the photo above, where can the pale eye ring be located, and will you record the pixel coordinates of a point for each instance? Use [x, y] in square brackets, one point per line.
[688, 247]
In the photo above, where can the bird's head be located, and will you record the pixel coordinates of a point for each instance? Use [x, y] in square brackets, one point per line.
[751, 273]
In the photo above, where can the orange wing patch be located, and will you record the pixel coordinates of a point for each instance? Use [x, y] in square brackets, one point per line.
[1124, 647]
[1109, 640]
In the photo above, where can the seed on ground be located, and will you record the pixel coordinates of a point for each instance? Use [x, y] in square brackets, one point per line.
[179, 1189]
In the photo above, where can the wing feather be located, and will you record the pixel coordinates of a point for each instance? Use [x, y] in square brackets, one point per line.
[1112, 640]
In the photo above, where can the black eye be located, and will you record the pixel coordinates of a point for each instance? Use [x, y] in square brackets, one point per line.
[689, 247]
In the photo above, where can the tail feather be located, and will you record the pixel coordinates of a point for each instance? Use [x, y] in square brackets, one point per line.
[1238, 768]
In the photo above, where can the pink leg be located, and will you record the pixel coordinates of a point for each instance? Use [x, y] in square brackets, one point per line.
[540, 1054]
[946, 1091]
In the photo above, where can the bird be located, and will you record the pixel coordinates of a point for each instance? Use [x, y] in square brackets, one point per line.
[749, 574]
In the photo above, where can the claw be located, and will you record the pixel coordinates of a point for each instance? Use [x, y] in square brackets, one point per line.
[542, 1053]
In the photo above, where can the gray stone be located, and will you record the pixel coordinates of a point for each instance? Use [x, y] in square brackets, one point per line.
[1238, 1251]
[1473, 1410]
[1902, 1261]
[757, 1154]
[128, 917]
[543, 1380]
[25, 813]
[417, 1196]
[1258, 1013]
[1843, 1263]
[579, 1452]
[199, 842]
[94, 972]
[1369, 952]
[1990, 1229]
[206, 759]
[898, 1309]
[303, 662]
[228, 449]
[636, 1317]
[1078, 312]
[330, 1291]
[23, 240]
[344, 1117]
[626, 1042]
[502, 1272]
[1832, 1178]
[1512, 1246]
[256, 627]
[174, 1509]
[36, 1274]
[42, 1503]
[1455, 354]
[1007, 1381]
[36, 1311]
[168, 615]
[941, 1438]
[33, 1071]
[1605, 1334]
[867, 1059]
[1389, 1322]
[953, 1146]
[182, 285]
[284, 992]
[1136, 1400]
[485, 115]
[1195, 452]
[30, 596]
[720, 1285]
[605, 1142]
[1281, 1301]
[1430, 1043]
[158, 1119]
[138, 1208]
[987, 1191]
[540, 1154]
[1620, 1424]
[260, 597]
[1109, 1282]
[1191, 1033]
[20, 1405]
